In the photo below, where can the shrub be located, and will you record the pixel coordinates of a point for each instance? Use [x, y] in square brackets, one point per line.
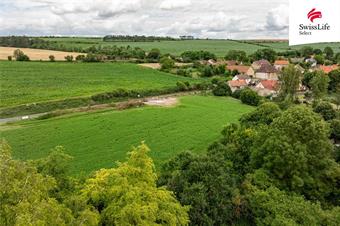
[250, 97]
[237, 94]
[167, 63]
[181, 86]
[20, 56]
[80, 57]
[222, 89]
[326, 110]
[335, 129]
[52, 58]
[9, 58]
[69, 58]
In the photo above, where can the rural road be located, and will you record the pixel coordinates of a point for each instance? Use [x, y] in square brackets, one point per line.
[20, 118]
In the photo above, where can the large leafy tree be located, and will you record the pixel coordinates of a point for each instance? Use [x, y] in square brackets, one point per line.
[24, 194]
[290, 81]
[128, 195]
[319, 84]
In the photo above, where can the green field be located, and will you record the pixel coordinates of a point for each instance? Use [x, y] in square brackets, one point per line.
[29, 82]
[99, 139]
[219, 47]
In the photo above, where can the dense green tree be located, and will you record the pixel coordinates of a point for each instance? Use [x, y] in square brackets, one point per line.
[307, 78]
[319, 85]
[250, 97]
[238, 55]
[335, 129]
[24, 194]
[290, 82]
[326, 110]
[296, 152]
[264, 114]
[154, 54]
[328, 51]
[306, 51]
[167, 63]
[221, 89]
[128, 195]
[320, 59]
[267, 54]
[334, 80]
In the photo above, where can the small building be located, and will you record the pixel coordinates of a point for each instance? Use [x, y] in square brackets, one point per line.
[311, 61]
[245, 77]
[242, 69]
[280, 64]
[266, 72]
[258, 64]
[299, 68]
[267, 88]
[237, 84]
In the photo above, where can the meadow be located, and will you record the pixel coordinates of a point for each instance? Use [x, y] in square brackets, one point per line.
[219, 47]
[97, 140]
[31, 82]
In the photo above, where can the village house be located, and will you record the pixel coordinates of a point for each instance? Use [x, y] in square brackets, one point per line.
[237, 84]
[311, 61]
[242, 69]
[245, 77]
[267, 88]
[264, 70]
[327, 69]
[280, 64]
[299, 68]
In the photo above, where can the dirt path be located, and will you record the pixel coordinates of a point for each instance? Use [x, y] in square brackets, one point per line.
[162, 101]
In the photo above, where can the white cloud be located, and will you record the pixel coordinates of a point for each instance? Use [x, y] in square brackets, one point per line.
[214, 18]
[174, 4]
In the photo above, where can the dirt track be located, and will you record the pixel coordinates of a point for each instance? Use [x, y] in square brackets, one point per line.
[36, 54]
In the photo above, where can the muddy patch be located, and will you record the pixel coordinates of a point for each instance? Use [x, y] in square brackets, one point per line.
[163, 102]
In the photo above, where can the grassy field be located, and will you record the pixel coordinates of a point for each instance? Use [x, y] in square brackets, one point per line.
[99, 139]
[219, 47]
[28, 82]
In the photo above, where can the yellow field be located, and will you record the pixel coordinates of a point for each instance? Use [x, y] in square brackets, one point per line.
[36, 54]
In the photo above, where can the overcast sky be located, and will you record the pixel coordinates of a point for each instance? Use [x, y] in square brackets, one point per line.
[236, 19]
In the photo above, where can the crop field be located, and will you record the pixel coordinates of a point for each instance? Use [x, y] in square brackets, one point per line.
[31, 82]
[99, 139]
[36, 54]
[219, 47]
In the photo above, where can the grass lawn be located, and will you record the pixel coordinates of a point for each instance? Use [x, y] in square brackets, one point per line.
[99, 139]
[219, 47]
[30, 82]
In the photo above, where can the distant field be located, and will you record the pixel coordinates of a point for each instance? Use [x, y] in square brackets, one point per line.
[99, 139]
[219, 47]
[29, 82]
[36, 54]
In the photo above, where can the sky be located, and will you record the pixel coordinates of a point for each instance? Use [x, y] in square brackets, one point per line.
[233, 19]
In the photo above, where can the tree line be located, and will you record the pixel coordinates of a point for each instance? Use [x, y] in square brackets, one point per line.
[136, 38]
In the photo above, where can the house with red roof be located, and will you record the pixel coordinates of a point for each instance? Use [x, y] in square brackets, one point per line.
[267, 87]
[242, 69]
[328, 68]
[280, 64]
[237, 84]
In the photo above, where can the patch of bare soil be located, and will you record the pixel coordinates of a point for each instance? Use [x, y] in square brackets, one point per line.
[36, 54]
[158, 66]
[163, 102]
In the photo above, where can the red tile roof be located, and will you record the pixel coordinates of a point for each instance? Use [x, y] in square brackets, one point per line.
[262, 62]
[237, 83]
[269, 84]
[240, 68]
[329, 68]
[281, 62]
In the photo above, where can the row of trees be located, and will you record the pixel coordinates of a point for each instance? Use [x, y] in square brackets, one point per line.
[135, 38]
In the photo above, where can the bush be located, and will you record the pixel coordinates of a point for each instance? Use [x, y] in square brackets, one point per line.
[69, 58]
[250, 97]
[80, 57]
[181, 86]
[335, 129]
[92, 58]
[237, 94]
[326, 110]
[222, 89]
[167, 63]
[52, 58]
[9, 58]
[20, 56]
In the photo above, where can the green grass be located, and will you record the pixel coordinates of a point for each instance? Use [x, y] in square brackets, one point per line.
[99, 139]
[30, 82]
[219, 47]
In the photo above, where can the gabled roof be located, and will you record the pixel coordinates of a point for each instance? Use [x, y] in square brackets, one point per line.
[269, 84]
[281, 62]
[267, 68]
[262, 62]
[240, 68]
[329, 68]
[242, 76]
[237, 83]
